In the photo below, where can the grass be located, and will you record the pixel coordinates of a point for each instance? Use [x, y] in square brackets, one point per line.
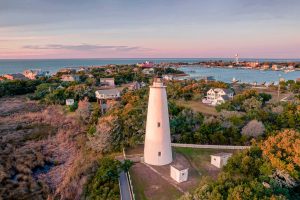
[198, 107]
[200, 159]
[38, 131]
[138, 186]
[147, 185]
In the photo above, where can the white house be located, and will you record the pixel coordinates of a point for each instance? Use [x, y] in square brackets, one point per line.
[106, 98]
[218, 96]
[220, 159]
[179, 173]
[35, 73]
[134, 86]
[107, 94]
[168, 77]
[69, 102]
[109, 82]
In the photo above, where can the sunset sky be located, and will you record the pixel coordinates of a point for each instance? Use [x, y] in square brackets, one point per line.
[149, 28]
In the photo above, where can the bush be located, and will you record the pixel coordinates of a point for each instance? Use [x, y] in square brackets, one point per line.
[104, 184]
[73, 107]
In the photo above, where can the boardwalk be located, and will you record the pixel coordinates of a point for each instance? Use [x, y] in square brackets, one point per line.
[124, 187]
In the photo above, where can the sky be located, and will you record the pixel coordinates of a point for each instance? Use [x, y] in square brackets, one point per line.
[149, 29]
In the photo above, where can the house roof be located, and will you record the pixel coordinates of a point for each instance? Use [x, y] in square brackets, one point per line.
[225, 97]
[16, 76]
[179, 166]
[109, 91]
[226, 91]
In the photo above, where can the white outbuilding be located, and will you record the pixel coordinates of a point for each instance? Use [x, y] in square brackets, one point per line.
[69, 102]
[179, 173]
[220, 159]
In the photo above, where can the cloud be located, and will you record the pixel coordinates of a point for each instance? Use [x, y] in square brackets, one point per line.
[83, 47]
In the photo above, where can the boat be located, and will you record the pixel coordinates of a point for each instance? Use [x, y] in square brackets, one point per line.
[288, 70]
[234, 80]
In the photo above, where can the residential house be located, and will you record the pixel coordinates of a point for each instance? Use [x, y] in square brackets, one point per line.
[17, 76]
[69, 77]
[106, 98]
[265, 66]
[35, 73]
[217, 96]
[148, 71]
[134, 86]
[168, 77]
[146, 64]
[108, 82]
[67, 70]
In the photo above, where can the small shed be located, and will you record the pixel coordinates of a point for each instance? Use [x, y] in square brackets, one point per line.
[69, 102]
[220, 159]
[179, 172]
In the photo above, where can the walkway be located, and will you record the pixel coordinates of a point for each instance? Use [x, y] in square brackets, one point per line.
[124, 187]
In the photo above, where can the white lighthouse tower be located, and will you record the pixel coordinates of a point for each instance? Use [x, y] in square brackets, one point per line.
[157, 150]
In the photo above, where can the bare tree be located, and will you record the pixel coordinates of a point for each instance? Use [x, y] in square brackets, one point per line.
[254, 128]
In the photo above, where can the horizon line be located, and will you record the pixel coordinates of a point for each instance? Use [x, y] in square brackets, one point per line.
[120, 58]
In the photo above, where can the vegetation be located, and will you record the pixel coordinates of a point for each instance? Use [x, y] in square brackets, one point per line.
[270, 169]
[257, 173]
[17, 87]
[104, 184]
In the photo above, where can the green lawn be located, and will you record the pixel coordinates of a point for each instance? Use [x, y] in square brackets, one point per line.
[147, 185]
[198, 106]
[200, 159]
[138, 186]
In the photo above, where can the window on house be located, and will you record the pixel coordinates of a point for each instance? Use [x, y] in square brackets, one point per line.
[159, 153]
[158, 124]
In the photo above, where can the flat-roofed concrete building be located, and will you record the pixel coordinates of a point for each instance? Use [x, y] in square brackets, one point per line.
[220, 159]
[179, 173]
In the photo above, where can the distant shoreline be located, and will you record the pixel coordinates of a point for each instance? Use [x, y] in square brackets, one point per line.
[8, 66]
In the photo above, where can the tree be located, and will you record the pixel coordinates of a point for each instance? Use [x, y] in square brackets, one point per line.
[254, 128]
[84, 110]
[251, 104]
[104, 184]
[283, 152]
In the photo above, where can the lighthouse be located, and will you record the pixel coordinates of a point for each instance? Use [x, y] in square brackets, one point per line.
[157, 149]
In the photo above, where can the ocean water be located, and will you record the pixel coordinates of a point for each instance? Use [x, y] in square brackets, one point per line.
[243, 75]
[226, 75]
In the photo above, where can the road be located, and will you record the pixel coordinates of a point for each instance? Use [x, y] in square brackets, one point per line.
[124, 187]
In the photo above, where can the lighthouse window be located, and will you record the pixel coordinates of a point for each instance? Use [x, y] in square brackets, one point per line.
[159, 153]
[158, 124]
